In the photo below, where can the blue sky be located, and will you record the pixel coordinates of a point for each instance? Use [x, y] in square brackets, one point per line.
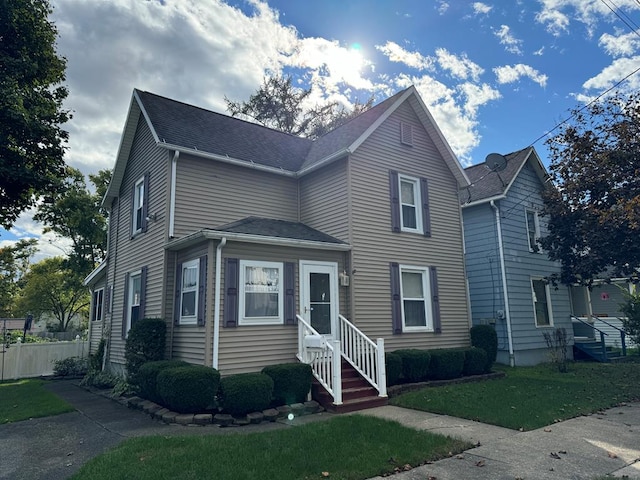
[495, 75]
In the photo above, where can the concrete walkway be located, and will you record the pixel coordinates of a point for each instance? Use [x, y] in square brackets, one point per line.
[581, 448]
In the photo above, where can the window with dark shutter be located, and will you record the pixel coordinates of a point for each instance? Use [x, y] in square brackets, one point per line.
[396, 299]
[426, 215]
[231, 284]
[435, 300]
[177, 307]
[394, 200]
[202, 291]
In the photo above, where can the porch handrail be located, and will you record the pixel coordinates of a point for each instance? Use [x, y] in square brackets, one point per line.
[325, 364]
[623, 333]
[602, 335]
[365, 355]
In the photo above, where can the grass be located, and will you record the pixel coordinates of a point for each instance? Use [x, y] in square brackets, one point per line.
[532, 397]
[24, 399]
[346, 447]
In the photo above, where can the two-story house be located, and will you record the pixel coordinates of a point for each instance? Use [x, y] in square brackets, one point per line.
[507, 270]
[239, 236]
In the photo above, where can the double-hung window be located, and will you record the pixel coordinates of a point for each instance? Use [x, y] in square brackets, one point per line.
[189, 292]
[97, 305]
[541, 302]
[533, 230]
[416, 299]
[410, 214]
[261, 293]
[409, 197]
[134, 297]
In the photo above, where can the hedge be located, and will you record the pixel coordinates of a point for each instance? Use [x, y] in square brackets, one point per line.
[475, 361]
[245, 392]
[291, 382]
[188, 389]
[446, 364]
[147, 377]
[415, 364]
[145, 343]
[485, 337]
[393, 364]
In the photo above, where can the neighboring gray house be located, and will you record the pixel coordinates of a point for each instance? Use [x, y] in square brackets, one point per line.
[248, 240]
[506, 268]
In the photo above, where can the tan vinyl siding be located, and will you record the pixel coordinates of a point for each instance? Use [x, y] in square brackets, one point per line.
[375, 245]
[210, 194]
[250, 348]
[95, 327]
[129, 254]
[324, 200]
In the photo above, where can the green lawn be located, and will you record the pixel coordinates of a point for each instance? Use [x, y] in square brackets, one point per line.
[347, 447]
[24, 399]
[532, 397]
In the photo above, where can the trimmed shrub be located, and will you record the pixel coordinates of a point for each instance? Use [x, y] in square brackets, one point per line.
[98, 379]
[446, 364]
[486, 338]
[415, 364]
[147, 377]
[291, 382]
[393, 363]
[145, 343]
[188, 389]
[70, 367]
[475, 361]
[245, 393]
[95, 359]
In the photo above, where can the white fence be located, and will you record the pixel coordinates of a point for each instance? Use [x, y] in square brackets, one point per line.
[22, 360]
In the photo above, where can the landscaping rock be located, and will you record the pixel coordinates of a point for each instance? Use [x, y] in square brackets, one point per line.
[311, 406]
[159, 413]
[241, 421]
[255, 417]
[134, 402]
[284, 410]
[270, 415]
[169, 417]
[298, 409]
[223, 419]
[152, 409]
[184, 418]
[203, 419]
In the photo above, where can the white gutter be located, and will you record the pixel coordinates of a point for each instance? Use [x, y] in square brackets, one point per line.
[172, 200]
[334, 156]
[216, 302]
[227, 159]
[507, 314]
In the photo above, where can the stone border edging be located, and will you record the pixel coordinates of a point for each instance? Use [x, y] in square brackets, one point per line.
[396, 390]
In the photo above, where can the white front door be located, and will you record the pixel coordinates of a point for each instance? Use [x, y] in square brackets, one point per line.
[319, 295]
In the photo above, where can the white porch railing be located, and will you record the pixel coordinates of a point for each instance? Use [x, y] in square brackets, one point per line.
[324, 368]
[364, 355]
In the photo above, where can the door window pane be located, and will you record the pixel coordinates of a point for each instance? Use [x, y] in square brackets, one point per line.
[320, 302]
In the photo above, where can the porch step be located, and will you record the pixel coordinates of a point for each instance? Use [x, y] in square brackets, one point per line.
[357, 393]
[593, 350]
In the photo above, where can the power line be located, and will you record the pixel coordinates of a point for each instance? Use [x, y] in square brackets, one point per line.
[623, 20]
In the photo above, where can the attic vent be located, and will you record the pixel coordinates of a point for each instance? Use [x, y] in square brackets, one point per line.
[406, 133]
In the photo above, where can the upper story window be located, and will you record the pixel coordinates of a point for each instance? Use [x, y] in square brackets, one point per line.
[97, 305]
[409, 198]
[140, 201]
[541, 303]
[261, 294]
[189, 292]
[533, 231]
[416, 299]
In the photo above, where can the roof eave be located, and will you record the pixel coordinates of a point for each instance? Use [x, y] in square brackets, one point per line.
[483, 200]
[95, 274]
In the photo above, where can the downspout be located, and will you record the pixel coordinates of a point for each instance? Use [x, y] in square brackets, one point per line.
[172, 198]
[216, 302]
[507, 314]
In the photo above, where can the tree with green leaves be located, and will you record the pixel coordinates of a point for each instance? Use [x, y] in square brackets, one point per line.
[32, 143]
[76, 213]
[52, 291]
[594, 211]
[14, 263]
[279, 105]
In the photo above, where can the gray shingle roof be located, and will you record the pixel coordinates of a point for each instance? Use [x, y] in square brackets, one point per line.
[486, 184]
[270, 227]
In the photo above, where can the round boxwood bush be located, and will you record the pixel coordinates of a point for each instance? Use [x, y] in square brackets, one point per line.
[393, 363]
[188, 389]
[291, 382]
[485, 337]
[415, 364]
[245, 393]
[475, 361]
[446, 364]
[147, 377]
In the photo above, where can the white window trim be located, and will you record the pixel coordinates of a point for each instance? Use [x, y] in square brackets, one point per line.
[536, 226]
[130, 304]
[94, 309]
[547, 291]
[242, 320]
[190, 319]
[138, 203]
[426, 288]
[418, 203]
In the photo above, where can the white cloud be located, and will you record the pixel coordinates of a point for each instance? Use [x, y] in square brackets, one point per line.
[459, 66]
[480, 8]
[513, 73]
[442, 7]
[396, 53]
[511, 43]
[623, 44]
[477, 96]
[619, 69]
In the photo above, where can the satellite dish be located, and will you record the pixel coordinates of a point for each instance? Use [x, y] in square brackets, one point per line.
[496, 162]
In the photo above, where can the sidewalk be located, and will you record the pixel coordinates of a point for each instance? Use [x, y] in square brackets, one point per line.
[580, 448]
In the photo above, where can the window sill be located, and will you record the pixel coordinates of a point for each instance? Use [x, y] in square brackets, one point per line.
[254, 323]
[417, 330]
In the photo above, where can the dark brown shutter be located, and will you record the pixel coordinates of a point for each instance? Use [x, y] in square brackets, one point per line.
[396, 299]
[435, 300]
[125, 305]
[176, 302]
[133, 210]
[107, 299]
[289, 293]
[143, 291]
[202, 290]
[426, 215]
[394, 200]
[145, 203]
[231, 284]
